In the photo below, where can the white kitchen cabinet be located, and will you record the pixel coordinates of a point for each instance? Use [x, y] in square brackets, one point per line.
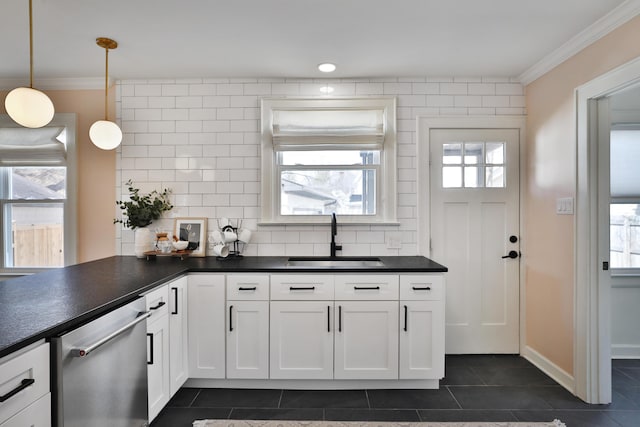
[301, 340]
[178, 334]
[421, 340]
[366, 340]
[206, 317]
[248, 339]
[158, 378]
[248, 326]
[25, 387]
[422, 326]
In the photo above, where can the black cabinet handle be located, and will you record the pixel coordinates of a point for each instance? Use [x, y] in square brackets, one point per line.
[366, 288]
[230, 318]
[23, 384]
[417, 288]
[252, 288]
[150, 362]
[160, 304]
[406, 317]
[339, 318]
[301, 288]
[328, 318]
[175, 300]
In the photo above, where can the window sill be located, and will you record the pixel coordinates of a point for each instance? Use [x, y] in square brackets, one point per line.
[326, 221]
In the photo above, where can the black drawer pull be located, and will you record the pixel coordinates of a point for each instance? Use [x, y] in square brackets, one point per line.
[175, 300]
[301, 288]
[328, 318]
[366, 288]
[417, 288]
[160, 304]
[252, 288]
[230, 318]
[23, 384]
[339, 318]
[406, 313]
[150, 362]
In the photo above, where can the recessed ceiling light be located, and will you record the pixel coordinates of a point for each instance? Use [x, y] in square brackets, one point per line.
[327, 67]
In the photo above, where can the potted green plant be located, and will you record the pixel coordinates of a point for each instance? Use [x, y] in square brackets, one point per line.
[140, 211]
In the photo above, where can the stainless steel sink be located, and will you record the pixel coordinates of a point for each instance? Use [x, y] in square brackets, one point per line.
[334, 262]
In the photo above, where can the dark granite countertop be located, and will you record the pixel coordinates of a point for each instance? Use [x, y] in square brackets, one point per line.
[48, 303]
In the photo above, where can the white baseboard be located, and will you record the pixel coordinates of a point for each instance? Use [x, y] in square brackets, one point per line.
[625, 351]
[558, 374]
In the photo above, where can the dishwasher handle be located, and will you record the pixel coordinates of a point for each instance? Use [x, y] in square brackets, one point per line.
[82, 352]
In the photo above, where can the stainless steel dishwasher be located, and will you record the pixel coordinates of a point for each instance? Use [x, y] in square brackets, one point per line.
[100, 371]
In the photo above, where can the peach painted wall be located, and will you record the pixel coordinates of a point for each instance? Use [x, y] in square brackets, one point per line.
[96, 172]
[551, 173]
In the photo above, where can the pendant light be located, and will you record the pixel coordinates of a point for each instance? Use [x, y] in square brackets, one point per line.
[103, 133]
[25, 105]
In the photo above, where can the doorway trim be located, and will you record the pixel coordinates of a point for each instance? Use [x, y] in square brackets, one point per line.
[592, 304]
[424, 126]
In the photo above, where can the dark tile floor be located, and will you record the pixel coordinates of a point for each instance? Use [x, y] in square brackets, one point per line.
[476, 388]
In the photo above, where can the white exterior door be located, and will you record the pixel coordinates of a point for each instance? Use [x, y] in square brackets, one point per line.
[248, 339]
[366, 340]
[301, 340]
[474, 228]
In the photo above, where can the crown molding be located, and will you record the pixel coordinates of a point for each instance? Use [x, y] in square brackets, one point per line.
[603, 26]
[67, 83]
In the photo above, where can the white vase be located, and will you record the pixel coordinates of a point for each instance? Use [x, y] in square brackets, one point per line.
[142, 241]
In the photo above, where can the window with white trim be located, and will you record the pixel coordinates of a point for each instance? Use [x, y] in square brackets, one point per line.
[324, 156]
[37, 195]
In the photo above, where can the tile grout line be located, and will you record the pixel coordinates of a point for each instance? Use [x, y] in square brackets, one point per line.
[366, 394]
[453, 396]
[280, 399]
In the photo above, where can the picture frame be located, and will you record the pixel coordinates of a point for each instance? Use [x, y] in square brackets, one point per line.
[193, 230]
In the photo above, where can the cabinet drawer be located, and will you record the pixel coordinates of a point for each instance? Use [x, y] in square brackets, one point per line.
[367, 287]
[24, 378]
[158, 301]
[248, 287]
[38, 414]
[301, 287]
[424, 287]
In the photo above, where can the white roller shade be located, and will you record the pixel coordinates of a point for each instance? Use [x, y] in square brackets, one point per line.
[24, 146]
[328, 129]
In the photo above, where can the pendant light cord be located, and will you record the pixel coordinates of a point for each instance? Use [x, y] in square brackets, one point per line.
[31, 44]
[106, 83]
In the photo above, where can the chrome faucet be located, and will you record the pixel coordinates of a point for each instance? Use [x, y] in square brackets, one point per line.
[334, 233]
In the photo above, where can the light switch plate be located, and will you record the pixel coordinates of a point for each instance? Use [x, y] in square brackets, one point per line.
[564, 206]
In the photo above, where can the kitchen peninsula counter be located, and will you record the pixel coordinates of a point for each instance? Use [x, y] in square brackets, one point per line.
[48, 303]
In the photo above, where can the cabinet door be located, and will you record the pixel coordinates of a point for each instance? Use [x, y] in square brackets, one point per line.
[206, 326]
[301, 343]
[178, 334]
[158, 364]
[366, 340]
[421, 340]
[248, 339]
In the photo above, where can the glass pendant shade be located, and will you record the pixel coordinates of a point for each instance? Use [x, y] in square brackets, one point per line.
[105, 134]
[29, 107]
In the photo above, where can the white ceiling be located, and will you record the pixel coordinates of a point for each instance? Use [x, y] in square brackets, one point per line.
[288, 38]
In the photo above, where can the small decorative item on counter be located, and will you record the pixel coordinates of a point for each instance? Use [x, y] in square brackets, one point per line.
[163, 244]
[139, 212]
[229, 240]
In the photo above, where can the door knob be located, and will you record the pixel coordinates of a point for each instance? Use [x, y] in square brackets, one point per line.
[512, 255]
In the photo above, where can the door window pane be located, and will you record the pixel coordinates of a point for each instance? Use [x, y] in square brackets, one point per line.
[495, 153]
[473, 153]
[452, 154]
[452, 176]
[495, 176]
[473, 177]
[36, 236]
[625, 235]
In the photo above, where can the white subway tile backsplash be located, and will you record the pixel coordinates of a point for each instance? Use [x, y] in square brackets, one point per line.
[201, 138]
